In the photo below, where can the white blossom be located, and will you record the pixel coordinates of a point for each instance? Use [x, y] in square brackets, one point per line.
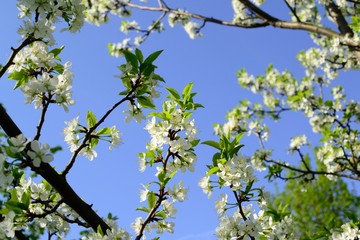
[39, 153]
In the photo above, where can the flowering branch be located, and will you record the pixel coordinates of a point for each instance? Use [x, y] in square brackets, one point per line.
[309, 172]
[161, 196]
[91, 130]
[268, 19]
[59, 183]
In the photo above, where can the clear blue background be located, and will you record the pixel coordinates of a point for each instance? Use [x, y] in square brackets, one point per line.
[111, 182]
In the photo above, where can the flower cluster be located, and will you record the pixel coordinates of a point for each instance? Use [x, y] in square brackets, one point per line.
[35, 206]
[238, 218]
[35, 151]
[173, 138]
[80, 139]
[41, 77]
[167, 133]
[39, 17]
[347, 231]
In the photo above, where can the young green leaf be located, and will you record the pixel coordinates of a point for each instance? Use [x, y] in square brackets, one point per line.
[186, 93]
[151, 199]
[144, 209]
[139, 55]
[145, 102]
[212, 144]
[130, 57]
[57, 51]
[212, 170]
[90, 119]
[103, 131]
[173, 93]
[59, 68]
[152, 57]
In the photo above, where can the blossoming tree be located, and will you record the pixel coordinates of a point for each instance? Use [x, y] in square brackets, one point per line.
[28, 207]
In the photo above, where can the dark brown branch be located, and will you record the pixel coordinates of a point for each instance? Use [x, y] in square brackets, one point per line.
[45, 103]
[19, 235]
[339, 19]
[311, 172]
[195, 16]
[57, 181]
[268, 20]
[260, 13]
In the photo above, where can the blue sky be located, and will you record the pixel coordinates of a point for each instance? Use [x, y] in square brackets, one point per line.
[111, 182]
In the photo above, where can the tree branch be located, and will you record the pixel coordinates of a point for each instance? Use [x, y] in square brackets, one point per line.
[57, 181]
[339, 19]
[310, 172]
[269, 20]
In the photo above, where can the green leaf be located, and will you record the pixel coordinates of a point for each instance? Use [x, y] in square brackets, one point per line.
[151, 199]
[144, 209]
[212, 144]
[145, 102]
[18, 75]
[103, 131]
[157, 77]
[161, 177]
[130, 57]
[212, 170]
[158, 114]
[90, 119]
[198, 105]
[99, 230]
[57, 51]
[25, 199]
[17, 207]
[169, 178]
[93, 142]
[173, 93]
[186, 93]
[123, 93]
[59, 68]
[55, 149]
[152, 57]
[139, 55]
[215, 158]
[195, 142]
[161, 214]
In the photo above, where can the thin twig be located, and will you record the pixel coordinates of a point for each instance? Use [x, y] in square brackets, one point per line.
[46, 103]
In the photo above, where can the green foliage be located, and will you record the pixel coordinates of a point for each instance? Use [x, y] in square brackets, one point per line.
[317, 206]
